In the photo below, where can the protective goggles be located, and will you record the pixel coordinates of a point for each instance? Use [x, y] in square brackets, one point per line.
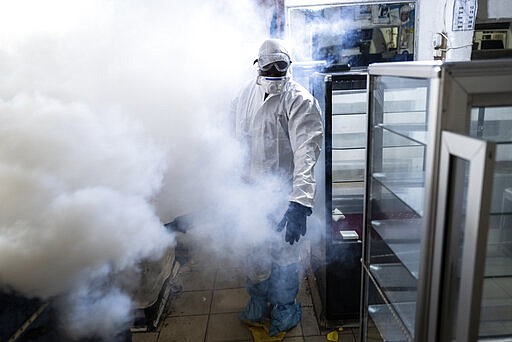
[280, 61]
[279, 65]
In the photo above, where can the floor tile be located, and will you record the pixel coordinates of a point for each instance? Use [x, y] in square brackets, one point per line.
[229, 300]
[304, 295]
[229, 262]
[229, 278]
[319, 338]
[191, 303]
[353, 331]
[343, 335]
[203, 263]
[226, 327]
[296, 331]
[198, 258]
[197, 280]
[347, 338]
[183, 329]
[212, 295]
[309, 323]
[145, 337]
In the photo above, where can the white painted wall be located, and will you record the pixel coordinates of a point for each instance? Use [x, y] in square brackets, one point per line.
[435, 16]
[429, 19]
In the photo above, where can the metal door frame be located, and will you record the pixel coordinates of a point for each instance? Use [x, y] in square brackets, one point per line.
[480, 154]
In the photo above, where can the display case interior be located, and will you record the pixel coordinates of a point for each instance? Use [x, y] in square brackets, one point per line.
[406, 256]
[495, 124]
[398, 149]
[347, 153]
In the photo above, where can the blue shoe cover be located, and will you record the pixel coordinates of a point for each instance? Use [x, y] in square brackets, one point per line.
[284, 317]
[254, 311]
[257, 306]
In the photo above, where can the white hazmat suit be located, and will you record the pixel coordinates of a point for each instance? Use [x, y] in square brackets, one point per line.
[280, 124]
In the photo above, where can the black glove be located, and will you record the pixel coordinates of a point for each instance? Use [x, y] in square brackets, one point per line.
[180, 224]
[295, 222]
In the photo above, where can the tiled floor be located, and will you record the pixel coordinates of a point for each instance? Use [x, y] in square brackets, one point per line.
[211, 296]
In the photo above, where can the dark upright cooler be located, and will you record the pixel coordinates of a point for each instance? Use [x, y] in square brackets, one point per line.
[336, 261]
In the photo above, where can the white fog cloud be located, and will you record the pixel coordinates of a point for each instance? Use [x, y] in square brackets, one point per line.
[114, 119]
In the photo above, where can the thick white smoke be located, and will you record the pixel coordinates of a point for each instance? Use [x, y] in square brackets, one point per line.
[114, 119]
[76, 189]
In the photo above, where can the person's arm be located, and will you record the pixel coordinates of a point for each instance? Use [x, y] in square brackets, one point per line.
[306, 133]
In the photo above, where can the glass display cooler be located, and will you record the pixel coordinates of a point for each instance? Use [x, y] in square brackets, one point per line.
[437, 238]
[337, 260]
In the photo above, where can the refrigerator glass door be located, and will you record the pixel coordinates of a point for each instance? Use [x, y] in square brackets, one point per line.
[398, 146]
[466, 166]
[494, 123]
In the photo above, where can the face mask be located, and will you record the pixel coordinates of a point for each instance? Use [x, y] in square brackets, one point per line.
[272, 85]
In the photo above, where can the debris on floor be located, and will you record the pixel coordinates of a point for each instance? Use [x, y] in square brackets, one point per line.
[260, 331]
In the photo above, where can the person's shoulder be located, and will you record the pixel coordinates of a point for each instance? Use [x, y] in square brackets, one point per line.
[296, 89]
[295, 85]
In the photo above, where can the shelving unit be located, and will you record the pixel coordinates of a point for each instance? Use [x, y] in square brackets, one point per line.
[425, 275]
[396, 185]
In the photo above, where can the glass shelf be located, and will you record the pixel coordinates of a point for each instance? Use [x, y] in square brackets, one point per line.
[407, 186]
[348, 141]
[390, 139]
[403, 106]
[348, 189]
[403, 238]
[394, 276]
[349, 102]
[349, 123]
[349, 108]
[399, 230]
[385, 317]
[415, 132]
[348, 171]
[357, 140]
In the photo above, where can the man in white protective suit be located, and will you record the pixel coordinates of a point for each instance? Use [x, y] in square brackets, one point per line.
[280, 123]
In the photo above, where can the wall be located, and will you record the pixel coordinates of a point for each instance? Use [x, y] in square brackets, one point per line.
[433, 16]
[490, 10]
[436, 16]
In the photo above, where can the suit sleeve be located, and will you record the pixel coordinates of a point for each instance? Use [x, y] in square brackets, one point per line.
[306, 134]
